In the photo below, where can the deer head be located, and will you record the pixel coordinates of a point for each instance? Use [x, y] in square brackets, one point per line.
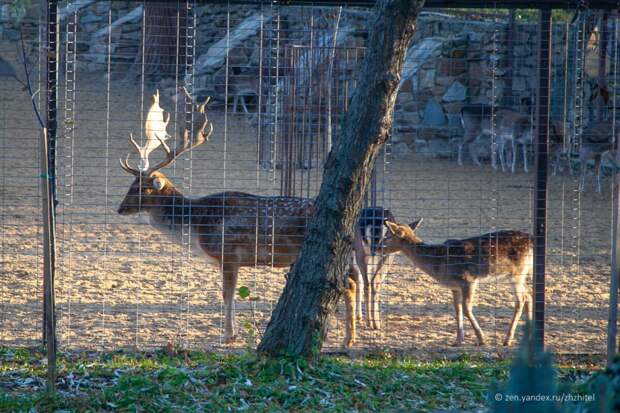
[401, 235]
[150, 186]
[373, 230]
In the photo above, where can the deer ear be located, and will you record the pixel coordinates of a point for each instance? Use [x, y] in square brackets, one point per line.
[416, 224]
[391, 226]
[159, 183]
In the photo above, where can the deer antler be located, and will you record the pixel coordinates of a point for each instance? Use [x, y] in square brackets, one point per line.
[202, 135]
[125, 162]
[155, 139]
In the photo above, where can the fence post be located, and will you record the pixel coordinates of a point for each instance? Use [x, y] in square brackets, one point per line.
[48, 175]
[540, 188]
[614, 282]
[49, 258]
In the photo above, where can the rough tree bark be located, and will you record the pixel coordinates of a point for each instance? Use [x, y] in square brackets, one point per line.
[316, 281]
[163, 50]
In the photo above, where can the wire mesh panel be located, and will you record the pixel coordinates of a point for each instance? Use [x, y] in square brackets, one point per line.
[20, 203]
[223, 116]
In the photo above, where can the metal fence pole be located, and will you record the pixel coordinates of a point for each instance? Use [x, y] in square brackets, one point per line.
[540, 189]
[614, 282]
[52, 87]
[48, 175]
[48, 262]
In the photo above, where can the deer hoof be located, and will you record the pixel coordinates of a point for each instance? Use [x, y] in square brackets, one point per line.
[507, 342]
[480, 342]
[457, 343]
[229, 339]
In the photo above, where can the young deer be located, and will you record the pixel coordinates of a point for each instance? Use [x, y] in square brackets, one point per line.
[506, 124]
[460, 264]
[232, 229]
[597, 141]
[371, 261]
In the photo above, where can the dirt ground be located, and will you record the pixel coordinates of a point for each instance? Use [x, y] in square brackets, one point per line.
[122, 284]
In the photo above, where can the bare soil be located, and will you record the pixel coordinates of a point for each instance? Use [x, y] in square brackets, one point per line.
[120, 283]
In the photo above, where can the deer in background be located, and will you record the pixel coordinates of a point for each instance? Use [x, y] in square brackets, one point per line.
[597, 142]
[239, 86]
[460, 265]
[232, 229]
[507, 125]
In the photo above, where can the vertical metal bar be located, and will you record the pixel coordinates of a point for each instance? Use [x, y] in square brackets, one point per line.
[51, 109]
[612, 321]
[509, 98]
[540, 189]
[602, 65]
[614, 282]
[52, 82]
[49, 256]
[48, 175]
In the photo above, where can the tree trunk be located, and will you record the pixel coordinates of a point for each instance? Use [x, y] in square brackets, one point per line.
[162, 51]
[318, 278]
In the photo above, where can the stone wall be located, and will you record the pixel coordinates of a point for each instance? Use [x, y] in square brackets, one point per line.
[453, 62]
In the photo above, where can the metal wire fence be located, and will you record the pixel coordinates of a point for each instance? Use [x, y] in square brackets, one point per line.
[279, 80]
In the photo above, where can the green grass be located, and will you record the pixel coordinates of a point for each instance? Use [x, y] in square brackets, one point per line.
[195, 381]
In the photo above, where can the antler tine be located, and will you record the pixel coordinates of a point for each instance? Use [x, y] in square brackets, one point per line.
[128, 168]
[170, 157]
[135, 144]
[125, 162]
[202, 135]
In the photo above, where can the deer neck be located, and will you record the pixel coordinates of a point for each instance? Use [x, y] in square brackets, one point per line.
[171, 212]
[430, 258]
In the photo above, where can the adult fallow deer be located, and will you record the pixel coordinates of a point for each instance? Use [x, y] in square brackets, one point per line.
[232, 229]
[459, 265]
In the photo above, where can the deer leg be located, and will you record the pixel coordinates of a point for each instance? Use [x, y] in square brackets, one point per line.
[375, 285]
[513, 156]
[243, 104]
[529, 306]
[235, 102]
[362, 289]
[349, 302]
[459, 158]
[597, 171]
[469, 295]
[520, 299]
[556, 164]
[494, 149]
[356, 275]
[524, 148]
[457, 301]
[583, 169]
[229, 274]
[473, 151]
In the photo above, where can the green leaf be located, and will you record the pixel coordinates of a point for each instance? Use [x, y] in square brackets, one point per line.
[244, 292]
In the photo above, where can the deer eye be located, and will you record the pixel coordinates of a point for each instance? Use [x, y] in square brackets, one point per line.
[158, 184]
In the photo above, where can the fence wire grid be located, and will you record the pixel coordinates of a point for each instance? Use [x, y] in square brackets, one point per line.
[280, 79]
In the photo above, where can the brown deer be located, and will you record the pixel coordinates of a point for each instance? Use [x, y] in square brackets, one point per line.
[597, 141]
[459, 265]
[232, 229]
